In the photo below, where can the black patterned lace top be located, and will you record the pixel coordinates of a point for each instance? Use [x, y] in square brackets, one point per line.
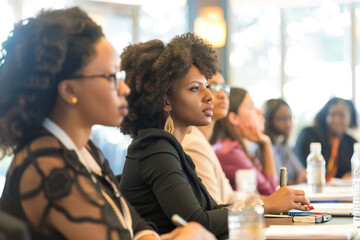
[48, 188]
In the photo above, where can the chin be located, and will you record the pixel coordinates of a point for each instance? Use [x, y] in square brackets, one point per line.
[202, 123]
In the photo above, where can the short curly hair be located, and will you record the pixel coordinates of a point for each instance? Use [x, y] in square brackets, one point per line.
[38, 54]
[152, 72]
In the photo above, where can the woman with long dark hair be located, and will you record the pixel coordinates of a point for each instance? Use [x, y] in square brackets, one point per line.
[278, 123]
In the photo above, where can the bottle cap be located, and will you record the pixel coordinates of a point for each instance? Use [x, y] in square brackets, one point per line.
[245, 180]
[315, 147]
[357, 147]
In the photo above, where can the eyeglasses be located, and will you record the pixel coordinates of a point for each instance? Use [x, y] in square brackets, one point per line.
[114, 78]
[218, 87]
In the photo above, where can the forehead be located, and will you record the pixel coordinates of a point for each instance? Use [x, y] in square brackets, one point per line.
[217, 79]
[283, 109]
[339, 106]
[194, 75]
[105, 56]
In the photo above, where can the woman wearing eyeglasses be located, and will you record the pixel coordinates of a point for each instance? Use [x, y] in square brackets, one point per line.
[209, 169]
[57, 79]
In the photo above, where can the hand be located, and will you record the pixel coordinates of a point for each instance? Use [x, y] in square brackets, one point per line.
[346, 176]
[285, 199]
[148, 237]
[253, 133]
[192, 230]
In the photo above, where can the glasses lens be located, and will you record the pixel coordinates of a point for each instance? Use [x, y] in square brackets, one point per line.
[217, 88]
[119, 76]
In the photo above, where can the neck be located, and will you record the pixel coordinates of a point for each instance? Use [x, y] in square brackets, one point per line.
[179, 133]
[331, 134]
[208, 129]
[70, 124]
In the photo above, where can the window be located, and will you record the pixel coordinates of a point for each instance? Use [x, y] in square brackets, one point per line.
[255, 55]
[301, 51]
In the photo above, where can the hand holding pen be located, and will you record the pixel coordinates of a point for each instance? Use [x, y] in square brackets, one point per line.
[283, 182]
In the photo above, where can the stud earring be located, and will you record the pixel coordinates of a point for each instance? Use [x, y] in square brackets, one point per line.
[169, 124]
[74, 100]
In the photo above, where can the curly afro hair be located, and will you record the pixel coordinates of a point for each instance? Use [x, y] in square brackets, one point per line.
[152, 72]
[38, 54]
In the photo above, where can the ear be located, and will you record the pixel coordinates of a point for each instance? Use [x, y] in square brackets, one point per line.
[233, 118]
[167, 104]
[67, 90]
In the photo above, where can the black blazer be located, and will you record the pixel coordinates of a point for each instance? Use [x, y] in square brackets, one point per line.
[159, 180]
[312, 134]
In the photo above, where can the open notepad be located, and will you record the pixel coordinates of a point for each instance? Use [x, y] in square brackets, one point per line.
[341, 231]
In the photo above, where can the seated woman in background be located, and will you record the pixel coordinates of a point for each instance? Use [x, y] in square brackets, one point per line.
[207, 165]
[58, 77]
[278, 122]
[168, 94]
[244, 122]
[337, 147]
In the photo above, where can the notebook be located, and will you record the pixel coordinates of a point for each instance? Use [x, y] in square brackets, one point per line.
[339, 232]
[334, 209]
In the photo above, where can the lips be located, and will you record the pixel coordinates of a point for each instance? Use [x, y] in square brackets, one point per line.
[124, 110]
[221, 105]
[208, 111]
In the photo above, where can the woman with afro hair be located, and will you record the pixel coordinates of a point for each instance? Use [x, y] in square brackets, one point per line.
[169, 94]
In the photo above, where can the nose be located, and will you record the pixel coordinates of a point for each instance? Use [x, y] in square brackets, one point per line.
[221, 94]
[123, 89]
[208, 97]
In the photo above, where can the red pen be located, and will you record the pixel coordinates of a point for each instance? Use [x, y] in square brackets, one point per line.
[311, 207]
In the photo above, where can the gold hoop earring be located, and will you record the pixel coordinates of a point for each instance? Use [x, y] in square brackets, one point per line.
[74, 100]
[169, 124]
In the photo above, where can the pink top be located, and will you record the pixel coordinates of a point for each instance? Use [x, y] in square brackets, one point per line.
[232, 157]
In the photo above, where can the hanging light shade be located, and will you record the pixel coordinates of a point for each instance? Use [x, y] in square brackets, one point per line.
[211, 25]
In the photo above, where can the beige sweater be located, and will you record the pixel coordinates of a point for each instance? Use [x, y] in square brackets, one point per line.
[208, 167]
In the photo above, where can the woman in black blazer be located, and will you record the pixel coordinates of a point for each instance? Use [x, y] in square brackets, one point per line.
[329, 129]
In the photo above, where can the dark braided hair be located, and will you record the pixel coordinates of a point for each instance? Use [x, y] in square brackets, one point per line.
[152, 72]
[38, 54]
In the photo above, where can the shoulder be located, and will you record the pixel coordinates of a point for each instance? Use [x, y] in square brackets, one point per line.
[349, 138]
[195, 141]
[311, 133]
[308, 130]
[153, 141]
[227, 146]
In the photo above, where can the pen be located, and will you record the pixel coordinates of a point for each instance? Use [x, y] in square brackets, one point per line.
[283, 176]
[178, 221]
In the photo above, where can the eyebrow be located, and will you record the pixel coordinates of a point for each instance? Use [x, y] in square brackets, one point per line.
[202, 83]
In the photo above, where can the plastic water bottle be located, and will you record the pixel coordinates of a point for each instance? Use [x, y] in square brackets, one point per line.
[246, 214]
[355, 173]
[315, 170]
